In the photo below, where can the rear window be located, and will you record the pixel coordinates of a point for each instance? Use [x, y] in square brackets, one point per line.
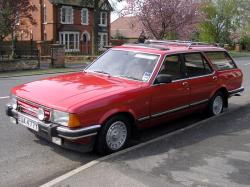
[196, 65]
[221, 60]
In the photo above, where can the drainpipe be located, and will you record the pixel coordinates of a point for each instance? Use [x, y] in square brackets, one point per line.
[55, 23]
[41, 17]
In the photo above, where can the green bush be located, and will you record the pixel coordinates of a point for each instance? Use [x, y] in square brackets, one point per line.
[245, 42]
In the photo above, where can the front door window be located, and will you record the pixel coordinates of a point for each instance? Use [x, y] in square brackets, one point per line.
[172, 66]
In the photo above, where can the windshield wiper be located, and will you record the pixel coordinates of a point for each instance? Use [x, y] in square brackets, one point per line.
[102, 72]
[130, 77]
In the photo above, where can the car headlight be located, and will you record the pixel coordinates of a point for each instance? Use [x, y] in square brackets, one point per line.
[40, 114]
[65, 119]
[61, 118]
[13, 102]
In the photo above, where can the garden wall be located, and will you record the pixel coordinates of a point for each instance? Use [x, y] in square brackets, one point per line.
[18, 65]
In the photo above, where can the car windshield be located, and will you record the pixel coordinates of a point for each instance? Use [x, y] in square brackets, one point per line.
[126, 64]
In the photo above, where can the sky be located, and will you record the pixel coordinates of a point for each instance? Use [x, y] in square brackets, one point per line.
[119, 7]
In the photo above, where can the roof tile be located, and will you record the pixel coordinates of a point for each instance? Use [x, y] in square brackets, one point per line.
[128, 27]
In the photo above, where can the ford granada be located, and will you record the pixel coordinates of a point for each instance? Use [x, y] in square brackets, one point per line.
[126, 89]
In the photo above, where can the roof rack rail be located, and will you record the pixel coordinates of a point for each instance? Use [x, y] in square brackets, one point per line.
[167, 42]
[198, 44]
[189, 44]
[148, 46]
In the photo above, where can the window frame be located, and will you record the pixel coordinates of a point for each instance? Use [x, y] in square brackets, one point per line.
[87, 16]
[204, 60]
[105, 23]
[101, 35]
[185, 77]
[72, 15]
[67, 43]
[214, 65]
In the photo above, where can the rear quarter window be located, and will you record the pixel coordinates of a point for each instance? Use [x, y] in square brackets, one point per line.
[221, 60]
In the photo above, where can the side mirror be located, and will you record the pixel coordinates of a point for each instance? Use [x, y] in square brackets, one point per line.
[163, 79]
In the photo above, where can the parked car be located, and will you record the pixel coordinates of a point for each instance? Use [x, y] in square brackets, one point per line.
[129, 87]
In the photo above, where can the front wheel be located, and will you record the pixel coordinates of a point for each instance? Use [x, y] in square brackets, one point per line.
[216, 105]
[114, 135]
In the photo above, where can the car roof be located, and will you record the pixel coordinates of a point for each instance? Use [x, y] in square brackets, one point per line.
[170, 47]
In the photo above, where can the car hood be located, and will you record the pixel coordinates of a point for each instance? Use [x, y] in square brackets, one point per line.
[64, 91]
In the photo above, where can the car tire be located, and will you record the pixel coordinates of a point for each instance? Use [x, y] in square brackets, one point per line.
[114, 135]
[216, 104]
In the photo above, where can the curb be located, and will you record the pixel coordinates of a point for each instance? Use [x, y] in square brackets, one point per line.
[97, 161]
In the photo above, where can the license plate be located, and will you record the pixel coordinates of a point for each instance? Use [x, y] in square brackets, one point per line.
[57, 140]
[28, 123]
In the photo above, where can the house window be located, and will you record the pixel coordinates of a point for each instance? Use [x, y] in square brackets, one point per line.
[102, 40]
[44, 14]
[67, 15]
[85, 16]
[103, 19]
[70, 40]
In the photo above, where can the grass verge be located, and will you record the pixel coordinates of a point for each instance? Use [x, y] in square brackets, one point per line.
[236, 54]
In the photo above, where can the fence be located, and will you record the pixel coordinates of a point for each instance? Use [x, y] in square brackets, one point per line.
[21, 50]
[34, 49]
[116, 42]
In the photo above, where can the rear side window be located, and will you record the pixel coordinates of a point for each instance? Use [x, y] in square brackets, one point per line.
[172, 66]
[196, 65]
[221, 60]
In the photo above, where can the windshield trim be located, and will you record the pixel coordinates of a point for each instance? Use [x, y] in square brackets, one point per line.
[117, 49]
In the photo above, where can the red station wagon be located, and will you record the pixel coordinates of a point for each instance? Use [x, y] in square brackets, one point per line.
[129, 87]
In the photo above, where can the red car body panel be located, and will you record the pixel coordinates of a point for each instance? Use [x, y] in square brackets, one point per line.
[176, 97]
[66, 92]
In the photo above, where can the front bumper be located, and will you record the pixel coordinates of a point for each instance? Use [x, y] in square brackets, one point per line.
[81, 139]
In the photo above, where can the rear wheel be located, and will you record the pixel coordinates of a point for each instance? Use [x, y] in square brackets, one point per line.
[216, 105]
[114, 135]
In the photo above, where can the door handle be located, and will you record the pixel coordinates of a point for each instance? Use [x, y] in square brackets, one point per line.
[215, 77]
[185, 83]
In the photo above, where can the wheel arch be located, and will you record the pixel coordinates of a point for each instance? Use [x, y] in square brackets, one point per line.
[128, 114]
[225, 93]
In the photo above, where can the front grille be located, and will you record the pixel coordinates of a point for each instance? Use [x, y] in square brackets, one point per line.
[31, 108]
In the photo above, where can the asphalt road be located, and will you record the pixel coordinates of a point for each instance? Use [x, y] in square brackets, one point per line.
[28, 161]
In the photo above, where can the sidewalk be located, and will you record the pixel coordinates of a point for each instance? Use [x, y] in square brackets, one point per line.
[72, 67]
[216, 152]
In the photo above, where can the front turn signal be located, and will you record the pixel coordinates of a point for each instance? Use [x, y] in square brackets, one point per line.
[74, 121]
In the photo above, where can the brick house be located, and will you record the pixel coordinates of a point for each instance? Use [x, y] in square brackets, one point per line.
[68, 22]
[128, 28]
